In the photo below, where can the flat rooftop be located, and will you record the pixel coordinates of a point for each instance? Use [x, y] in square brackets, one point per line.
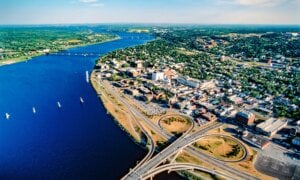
[272, 125]
[256, 140]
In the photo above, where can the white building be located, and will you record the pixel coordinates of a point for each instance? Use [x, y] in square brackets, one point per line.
[271, 126]
[156, 76]
[46, 50]
[189, 81]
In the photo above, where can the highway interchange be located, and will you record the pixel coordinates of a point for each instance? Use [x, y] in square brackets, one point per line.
[148, 167]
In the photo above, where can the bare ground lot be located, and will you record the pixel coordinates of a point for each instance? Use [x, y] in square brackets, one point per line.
[221, 147]
[176, 124]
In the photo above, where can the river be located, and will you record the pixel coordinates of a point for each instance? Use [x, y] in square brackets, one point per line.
[77, 141]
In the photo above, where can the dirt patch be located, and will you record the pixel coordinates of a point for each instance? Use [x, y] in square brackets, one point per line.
[176, 125]
[221, 147]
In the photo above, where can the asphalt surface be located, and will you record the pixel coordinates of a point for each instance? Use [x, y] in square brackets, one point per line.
[136, 174]
[276, 168]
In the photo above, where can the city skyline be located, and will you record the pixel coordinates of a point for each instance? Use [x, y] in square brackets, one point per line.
[138, 11]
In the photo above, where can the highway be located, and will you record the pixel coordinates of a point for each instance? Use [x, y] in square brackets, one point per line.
[183, 166]
[137, 173]
[161, 157]
[151, 148]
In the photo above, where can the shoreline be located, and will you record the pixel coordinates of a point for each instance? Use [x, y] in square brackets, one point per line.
[28, 58]
[114, 111]
[105, 96]
[102, 95]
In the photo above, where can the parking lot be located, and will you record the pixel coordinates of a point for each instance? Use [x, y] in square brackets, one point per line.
[280, 153]
[276, 161]
[150, 108]
[276, 168]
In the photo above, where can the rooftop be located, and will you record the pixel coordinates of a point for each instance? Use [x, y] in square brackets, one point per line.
[272, 125]
[255, 140]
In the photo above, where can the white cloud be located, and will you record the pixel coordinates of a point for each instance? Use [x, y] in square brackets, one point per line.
[260, 3]
[93, 3]
[97, 4]
[88, 1]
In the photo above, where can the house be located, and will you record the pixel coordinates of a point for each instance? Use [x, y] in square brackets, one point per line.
[139, 64]
[157, 75]
[235, 99]
[209, 116]
[132, 72]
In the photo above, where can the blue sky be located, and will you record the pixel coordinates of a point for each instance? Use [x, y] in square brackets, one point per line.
[150, 11]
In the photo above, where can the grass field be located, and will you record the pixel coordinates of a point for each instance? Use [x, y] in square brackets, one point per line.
[176, 124]
[221, 147]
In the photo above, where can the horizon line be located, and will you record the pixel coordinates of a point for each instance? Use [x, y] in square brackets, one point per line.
[150, 23]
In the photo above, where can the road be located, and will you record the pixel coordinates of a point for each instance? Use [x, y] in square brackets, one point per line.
[176, 146]
[183, 166]
[136, 174]
[151, 146]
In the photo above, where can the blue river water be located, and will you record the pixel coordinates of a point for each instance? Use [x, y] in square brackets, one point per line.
[75, 142]
[78, 141]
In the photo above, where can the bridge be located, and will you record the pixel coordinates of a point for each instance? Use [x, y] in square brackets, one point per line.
[75, 54]
[180, 167]
[172, 149]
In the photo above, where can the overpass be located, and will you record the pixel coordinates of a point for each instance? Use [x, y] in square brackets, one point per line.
[172, 149]
[176, 146]
[182, 166]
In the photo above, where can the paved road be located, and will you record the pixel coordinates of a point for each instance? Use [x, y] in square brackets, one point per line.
[149, 138]
[191, 150]
[183, 166]
[176, 146]
[151, 146]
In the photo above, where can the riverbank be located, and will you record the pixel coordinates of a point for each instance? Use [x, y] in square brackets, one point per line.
[119, 112]
[29, 57]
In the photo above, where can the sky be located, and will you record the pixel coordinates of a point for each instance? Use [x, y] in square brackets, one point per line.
[150, 11]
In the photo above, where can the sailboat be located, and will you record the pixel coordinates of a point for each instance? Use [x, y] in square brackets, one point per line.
[87, 76]
[7, 116]
[33, 110]
[81, 100]
[58, 104]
